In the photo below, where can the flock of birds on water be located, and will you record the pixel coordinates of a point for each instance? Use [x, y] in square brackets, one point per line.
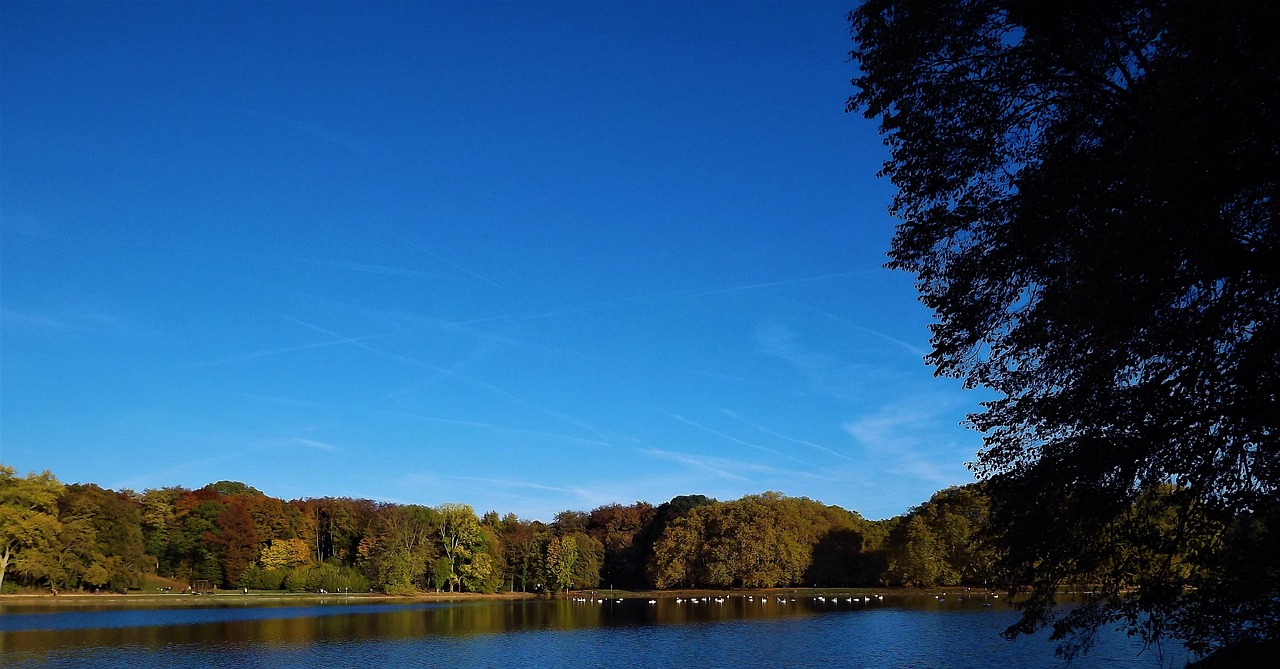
[764, 599]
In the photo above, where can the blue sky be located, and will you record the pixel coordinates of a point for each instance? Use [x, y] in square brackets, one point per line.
[524, 256]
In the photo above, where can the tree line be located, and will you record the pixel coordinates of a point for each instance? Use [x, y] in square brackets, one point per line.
[81, 536]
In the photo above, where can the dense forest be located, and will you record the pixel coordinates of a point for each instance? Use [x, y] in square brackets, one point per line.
[231, 535]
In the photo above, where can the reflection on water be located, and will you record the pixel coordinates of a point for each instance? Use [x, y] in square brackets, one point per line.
[775, 630]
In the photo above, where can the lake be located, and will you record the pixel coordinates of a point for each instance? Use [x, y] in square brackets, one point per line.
[740, 631]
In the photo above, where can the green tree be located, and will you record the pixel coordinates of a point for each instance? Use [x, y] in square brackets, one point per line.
[28, 516]
[97, 575]
[845, 548]
[680, 556]
[590, 559]
[235, 488]
[753, 542]
[258, 578]
[400, 548]
[646, 540]
[194, 544]
[483, 571]
[562, 559]
[524, 551]
[568, 522]
[944, 541]
[332, 526]
[111, 522]
[461, 539]
[159, 519]
[916, 555]
[441, 572]
[762, 541]
[1088, 198]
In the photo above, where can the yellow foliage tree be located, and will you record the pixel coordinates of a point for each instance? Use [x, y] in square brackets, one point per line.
[285, 554]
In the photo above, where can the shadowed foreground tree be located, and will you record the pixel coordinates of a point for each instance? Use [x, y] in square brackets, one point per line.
[116, 557]
[762, 541]
[941, 542]
[1087, 192]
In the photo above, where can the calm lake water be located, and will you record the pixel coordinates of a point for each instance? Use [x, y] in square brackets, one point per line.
[898, 631]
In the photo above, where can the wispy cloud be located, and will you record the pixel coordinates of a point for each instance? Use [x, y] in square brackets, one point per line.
[11, 318]
[355, 341]
[425, 479]
[271, 259]
[906, 346]
[275, 399]
[266, 353]
[77, 321]
[498, 428]
[505, 483]
[710, 465]
[902, 439]
[449, 262]
[538, 500]
[348, 142]
[317, 445]
[293, 441]
[827, 375]
[664, 297]
[704, 428]
[368, 268]
[728, 377]
[802, 442]
[405, 322]
[777, 283]
[737, 470]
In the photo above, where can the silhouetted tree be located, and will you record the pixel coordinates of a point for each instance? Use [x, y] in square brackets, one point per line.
[1088, 193]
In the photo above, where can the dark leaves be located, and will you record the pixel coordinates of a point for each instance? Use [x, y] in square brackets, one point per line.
[1088, 196]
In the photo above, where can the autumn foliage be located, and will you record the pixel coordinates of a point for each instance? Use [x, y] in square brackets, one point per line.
[230, 534]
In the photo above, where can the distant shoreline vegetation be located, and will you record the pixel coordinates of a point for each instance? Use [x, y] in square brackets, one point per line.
[228, 535]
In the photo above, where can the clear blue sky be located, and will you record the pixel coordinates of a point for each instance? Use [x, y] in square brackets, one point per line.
[524, 256]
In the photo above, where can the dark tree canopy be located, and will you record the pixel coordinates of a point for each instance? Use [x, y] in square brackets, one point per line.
[1087, 192]
[234, 488]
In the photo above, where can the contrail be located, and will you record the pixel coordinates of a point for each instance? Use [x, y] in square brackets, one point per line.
[515, 484]
[448, 262]
[692, 461]
[254, 355]
[355, 341]
[912, 348]
[496, 428]
[779, 435]
[315, 130]
[660, 297]
[371, 269]
[319, 445]
[736, 440]
[721, 465]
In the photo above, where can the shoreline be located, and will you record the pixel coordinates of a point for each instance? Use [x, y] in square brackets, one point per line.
[234, 596]
[143, 599]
